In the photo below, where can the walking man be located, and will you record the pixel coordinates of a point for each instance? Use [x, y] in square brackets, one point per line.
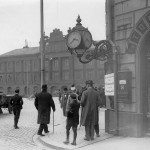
[64, 100]
[90, 101]
[43, 103]
[16, 103]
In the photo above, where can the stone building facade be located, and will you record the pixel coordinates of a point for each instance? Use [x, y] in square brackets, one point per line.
[128, 26]
[20, 68]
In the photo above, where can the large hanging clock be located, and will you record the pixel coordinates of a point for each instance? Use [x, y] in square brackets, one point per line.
[73, 39]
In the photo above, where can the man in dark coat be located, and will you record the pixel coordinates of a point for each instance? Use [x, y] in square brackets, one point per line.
[43, 103]
[16, 103]
[64, 100]
[90, 101]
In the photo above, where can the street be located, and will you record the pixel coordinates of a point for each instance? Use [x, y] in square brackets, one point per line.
[20, 139]
[23, 138]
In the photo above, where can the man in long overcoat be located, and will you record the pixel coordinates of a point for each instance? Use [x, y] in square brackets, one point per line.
[43, 103]
[90, 101]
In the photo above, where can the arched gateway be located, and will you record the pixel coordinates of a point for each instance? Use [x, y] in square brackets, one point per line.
[139, 45]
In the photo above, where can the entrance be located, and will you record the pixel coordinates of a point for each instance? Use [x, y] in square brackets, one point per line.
[148, 95]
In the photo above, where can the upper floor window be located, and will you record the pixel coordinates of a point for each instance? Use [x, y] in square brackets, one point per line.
[9, 66]
[18, 67]
[65, 63]
[55, 64]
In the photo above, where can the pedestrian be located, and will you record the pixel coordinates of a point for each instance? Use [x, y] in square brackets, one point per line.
[59, 96]
[64, 100]
[43, 103]
[72, 110]
[17, 103]
[90, 101]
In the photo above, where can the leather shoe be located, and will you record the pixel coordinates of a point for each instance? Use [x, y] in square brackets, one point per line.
[47, 132]
[16, 127]
[40, 134]
[87, 139]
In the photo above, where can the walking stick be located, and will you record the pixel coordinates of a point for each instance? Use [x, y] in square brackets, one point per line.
[53, 121]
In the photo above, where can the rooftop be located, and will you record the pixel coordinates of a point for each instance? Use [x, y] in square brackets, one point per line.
[22, 51]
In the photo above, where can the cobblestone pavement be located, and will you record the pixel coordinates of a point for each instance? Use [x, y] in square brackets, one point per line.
[21, 139]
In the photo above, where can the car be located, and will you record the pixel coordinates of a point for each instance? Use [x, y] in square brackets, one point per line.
[5, 101]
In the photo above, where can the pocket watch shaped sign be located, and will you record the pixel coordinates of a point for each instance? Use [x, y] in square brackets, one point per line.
[73, 39]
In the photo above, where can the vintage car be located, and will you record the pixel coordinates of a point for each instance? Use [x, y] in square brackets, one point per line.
[5, 102]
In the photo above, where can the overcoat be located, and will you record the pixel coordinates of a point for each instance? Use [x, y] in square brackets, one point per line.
[90, 101]
[43, 103]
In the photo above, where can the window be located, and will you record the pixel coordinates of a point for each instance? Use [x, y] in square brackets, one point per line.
[55, 76]
[65, 63]
[55, 64]
[18, 66]
[65, 75]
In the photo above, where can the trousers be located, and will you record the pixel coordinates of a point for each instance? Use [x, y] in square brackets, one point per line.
[16, 116]
[43, 127]
[89, 132]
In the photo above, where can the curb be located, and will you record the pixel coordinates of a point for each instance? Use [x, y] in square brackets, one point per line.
[45, 141]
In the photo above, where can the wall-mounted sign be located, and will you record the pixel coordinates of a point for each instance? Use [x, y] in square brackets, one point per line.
[109, 84]
[124, 86]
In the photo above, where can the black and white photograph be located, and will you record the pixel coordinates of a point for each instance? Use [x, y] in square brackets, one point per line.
[74, 74]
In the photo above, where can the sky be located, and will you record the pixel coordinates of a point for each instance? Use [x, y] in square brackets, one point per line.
[20, 20]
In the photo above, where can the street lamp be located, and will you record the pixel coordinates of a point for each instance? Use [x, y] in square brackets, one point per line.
[43, 42]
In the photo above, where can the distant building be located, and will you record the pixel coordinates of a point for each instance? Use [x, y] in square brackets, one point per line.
[20, 68]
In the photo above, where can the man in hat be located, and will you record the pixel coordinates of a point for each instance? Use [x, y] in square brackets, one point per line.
[43, 103]
[90, 101]
[64, 99]
[16, 103]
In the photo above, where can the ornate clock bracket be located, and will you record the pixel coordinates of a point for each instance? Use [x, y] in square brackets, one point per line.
[101, 50]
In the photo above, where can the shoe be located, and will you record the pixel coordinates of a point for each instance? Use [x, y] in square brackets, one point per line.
[97, 135]
[47, 132]
[40, 134]
[87, 139]
[66, 142]
[73, 143]
[16, 127]
[92, 139]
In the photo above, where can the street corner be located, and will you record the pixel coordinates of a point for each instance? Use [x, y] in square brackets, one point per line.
[56, 140]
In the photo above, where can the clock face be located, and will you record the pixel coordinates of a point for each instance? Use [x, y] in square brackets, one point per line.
[87, 39]
[73, 40]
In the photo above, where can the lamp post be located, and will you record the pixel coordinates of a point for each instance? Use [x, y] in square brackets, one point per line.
[42, 42]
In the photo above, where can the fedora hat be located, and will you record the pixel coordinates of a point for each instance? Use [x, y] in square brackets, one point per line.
[89, 82]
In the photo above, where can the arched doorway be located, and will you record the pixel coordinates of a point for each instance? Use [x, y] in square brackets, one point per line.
[143, 55]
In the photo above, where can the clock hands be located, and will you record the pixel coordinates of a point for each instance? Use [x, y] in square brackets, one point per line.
[73, 40]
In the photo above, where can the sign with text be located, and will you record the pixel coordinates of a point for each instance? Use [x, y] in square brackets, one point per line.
[109, 84]
[124, 86]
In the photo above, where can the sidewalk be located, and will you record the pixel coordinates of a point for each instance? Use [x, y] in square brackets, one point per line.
[55, 139]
